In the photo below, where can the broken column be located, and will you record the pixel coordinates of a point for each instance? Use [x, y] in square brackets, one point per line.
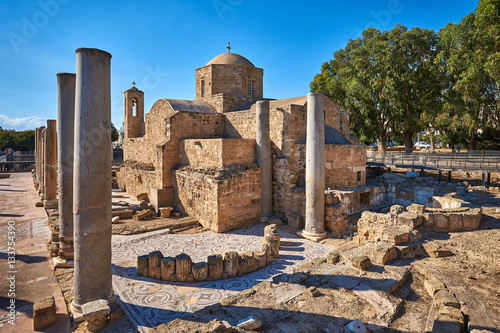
[50, 177]
[65, 147]
[315, 169]
[92, 180]
[264, 159]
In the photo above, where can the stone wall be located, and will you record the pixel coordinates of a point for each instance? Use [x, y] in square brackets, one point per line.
[230, 80]
[134, 180]
[217, 152]
[345, 166]
[221, 199]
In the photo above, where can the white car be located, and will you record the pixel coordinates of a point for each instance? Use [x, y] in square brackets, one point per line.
[422, 144]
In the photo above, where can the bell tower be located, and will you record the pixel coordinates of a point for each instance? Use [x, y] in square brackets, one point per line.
[134, 112]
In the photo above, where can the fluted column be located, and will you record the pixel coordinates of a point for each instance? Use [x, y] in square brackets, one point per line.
[315, 169]
[92, 179]
[264, 158]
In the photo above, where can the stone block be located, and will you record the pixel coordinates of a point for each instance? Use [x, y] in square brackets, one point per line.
[142, 196]
[143, 214]
[433, 285]
[397, 209]
[115, 219]
[274, 246]
[163, 197]
[250, 323]
[361, 262]
[328, 199]
[445, 297]
[215, 266]
[332, 257]
[44, 312]
[154, 263]
[200, 271]
[217, 326]
[451, 312]
[416, 209]
[183, 265]
[435, 250]
[167, 268]
[411, 220]
[142, 265]
[472, 219]
[296, 221]
[231, 263]
[442, 222]
[383, 253]
[261, 259]
[95, 314]
[456, 222]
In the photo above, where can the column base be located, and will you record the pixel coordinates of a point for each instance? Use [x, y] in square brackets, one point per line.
[62, 263]
[76, 310]
[50, 203]
[313, 236]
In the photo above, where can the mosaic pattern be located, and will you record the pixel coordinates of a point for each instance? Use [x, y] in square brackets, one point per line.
[151, 302]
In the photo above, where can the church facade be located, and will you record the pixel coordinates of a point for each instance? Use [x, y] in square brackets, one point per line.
[199, 156]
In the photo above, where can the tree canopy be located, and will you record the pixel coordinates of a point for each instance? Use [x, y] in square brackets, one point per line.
[401, 81]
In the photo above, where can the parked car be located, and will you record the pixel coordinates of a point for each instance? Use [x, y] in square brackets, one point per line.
[422, 144]
[390, 144]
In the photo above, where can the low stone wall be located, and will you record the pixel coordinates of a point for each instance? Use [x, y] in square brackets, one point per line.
[135, 180]
[217, 267]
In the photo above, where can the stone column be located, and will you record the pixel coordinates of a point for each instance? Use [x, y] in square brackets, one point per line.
[65, 147]
[92, 179]
[42, 165]
[315, 169]
[37, 162]
[264, 159]
[50, 177]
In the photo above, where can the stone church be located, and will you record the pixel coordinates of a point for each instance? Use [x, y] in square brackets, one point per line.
[199, 156]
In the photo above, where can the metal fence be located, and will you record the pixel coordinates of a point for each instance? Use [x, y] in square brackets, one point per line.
[480, 160]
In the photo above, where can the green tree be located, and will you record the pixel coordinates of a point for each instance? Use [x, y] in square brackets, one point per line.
[114, 133]
[487, 52]
[356, 79]
[415, 87]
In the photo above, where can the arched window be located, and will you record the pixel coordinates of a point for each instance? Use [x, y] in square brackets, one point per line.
[134, 107]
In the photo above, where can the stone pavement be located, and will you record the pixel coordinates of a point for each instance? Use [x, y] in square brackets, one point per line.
[150, 302]
[34, 276]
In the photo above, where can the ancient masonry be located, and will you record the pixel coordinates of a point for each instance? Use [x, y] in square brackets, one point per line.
[217, 267]
[231, 157]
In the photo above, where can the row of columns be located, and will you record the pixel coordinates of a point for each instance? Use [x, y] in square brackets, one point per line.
[74, 171]
[315, 165]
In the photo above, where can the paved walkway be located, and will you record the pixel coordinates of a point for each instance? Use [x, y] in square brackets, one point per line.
[34, 276]
[151, 302]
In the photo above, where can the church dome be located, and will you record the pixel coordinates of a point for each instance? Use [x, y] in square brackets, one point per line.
[230, 59]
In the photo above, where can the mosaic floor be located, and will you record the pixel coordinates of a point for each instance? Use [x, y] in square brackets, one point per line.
[150, 302]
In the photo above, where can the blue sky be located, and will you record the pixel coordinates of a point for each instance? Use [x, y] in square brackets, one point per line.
[159, 44]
